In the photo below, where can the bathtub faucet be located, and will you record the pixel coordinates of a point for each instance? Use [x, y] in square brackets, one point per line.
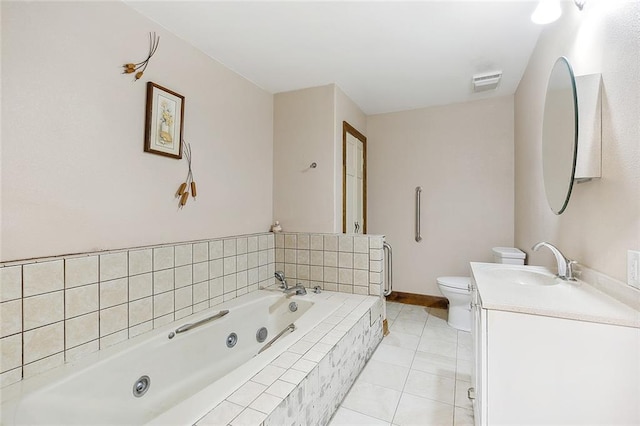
[280, 276]
[565, 266]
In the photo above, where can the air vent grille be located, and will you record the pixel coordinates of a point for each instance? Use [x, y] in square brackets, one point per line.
[488, 81]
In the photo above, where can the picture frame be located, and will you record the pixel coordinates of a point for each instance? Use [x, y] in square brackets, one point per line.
[164, 121]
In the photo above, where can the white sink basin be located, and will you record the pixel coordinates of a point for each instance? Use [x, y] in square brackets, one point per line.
[524, 276]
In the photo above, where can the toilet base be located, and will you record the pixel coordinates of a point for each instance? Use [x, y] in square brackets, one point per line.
[460, 317]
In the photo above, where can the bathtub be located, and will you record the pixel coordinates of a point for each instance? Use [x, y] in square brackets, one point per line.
[188, 372]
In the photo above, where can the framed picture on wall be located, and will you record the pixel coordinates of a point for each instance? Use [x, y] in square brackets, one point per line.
[164, 121]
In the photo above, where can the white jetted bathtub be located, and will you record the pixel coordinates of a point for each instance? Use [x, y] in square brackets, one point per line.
[181, 376]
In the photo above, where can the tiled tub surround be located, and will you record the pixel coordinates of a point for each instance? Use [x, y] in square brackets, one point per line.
[300, 379]
[57, 310]
[346, 263]
[307, 383]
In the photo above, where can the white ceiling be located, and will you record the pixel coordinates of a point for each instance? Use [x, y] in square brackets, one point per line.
[385, 55]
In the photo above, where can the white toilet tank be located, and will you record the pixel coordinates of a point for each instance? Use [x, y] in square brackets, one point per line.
[509, 255]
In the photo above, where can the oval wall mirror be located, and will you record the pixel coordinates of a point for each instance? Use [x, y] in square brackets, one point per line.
[560, 135]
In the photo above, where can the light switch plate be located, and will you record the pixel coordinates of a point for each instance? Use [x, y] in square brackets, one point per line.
[633, 268]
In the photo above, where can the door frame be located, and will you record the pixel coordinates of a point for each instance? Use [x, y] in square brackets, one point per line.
[349, 129]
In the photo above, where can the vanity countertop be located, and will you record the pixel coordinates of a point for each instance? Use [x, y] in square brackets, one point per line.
[575, 300]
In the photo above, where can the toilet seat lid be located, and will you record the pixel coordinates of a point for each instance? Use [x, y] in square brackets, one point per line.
[461, 283]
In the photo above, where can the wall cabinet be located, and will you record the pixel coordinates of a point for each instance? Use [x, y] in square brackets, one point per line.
[533, 369]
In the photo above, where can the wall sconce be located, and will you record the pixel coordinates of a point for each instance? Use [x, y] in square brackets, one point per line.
[549, 11]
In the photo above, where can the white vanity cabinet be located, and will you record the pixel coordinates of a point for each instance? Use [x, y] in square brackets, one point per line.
[546, 370]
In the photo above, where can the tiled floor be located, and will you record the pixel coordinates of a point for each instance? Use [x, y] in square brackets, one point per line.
[419, 375]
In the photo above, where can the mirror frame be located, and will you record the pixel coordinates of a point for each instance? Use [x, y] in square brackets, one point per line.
[546, 179]
[349, 129]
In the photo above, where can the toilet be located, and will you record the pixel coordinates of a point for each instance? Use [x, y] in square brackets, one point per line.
[458, 291]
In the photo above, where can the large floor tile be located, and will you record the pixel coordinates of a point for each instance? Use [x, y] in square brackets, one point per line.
[437, 346]
[394, 355]
[413, 410]
[440, 333]
[430, 386]
[346, 417]
[440, 365]
[401, 340]
[408, 326]
[372, 400]
[384, 374]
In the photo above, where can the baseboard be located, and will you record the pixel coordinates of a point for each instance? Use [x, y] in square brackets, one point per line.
[418, 299]
[385, 327]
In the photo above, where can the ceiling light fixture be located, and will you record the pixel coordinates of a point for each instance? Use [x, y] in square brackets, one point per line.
[547, 12]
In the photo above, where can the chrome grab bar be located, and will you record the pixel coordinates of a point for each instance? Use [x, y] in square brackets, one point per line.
[188, 327]
[388, 269]
[418, 193]
[291, 327]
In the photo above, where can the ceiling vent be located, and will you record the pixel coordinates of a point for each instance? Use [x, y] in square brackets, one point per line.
[488, 81]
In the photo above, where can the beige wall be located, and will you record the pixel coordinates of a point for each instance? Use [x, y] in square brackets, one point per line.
[307, 129]
[303, 134]
[462, 156]
[602, 220]
[74, 174]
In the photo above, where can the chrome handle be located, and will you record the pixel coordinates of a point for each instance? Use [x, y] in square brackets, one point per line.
[418, 193]
[389, 268]
[471, 393]
[188, 327]
[290, 327]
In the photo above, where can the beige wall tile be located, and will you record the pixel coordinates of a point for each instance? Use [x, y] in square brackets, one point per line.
[113, 319]
[216, 287]
[80, 271]
[43, 310]
[345, 260]
[183, 255]
[361, 244]
[200, 252]
[375, 265]
[229, 247]
[279, 241]
[303, 257]
[330, 258]
[265, 242]
[80, 330]
[114, 292]
[163, 258]
[316, 242]
[263, 258]
[163, 320]
[252, 259]
[139, 329]
[361, 261]
[43, 365]
[140, 286]
[376, 242]
[163, 304]
[290, 241]
[11, 351]
[330, 274]
[200, 272]
[360, 290]
[113, 266]
[200, 292]
[345, 276]
[140, 261]
[81, 351]
[316, 258]
[185, 312]
[10, 283]
[198, 307]
[230, 283]
[43, 342]
[302, 272]
[316, 273]
[216, 250]
[114, 338]
[163, 281]
[43, 277]
[10, 317]
[242, 245]
[344, 288]
[241, 262]
[345, 243]
[140, 311]
[331, 243]
[216, 268]
[229, 265]
[183, 298]
[375, 277]
[242, 279]
[183, 276]
[10, 377]
[252, 276]
[303, 241]
[361, 277]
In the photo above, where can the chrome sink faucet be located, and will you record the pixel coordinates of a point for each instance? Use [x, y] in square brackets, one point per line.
[565, 266]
